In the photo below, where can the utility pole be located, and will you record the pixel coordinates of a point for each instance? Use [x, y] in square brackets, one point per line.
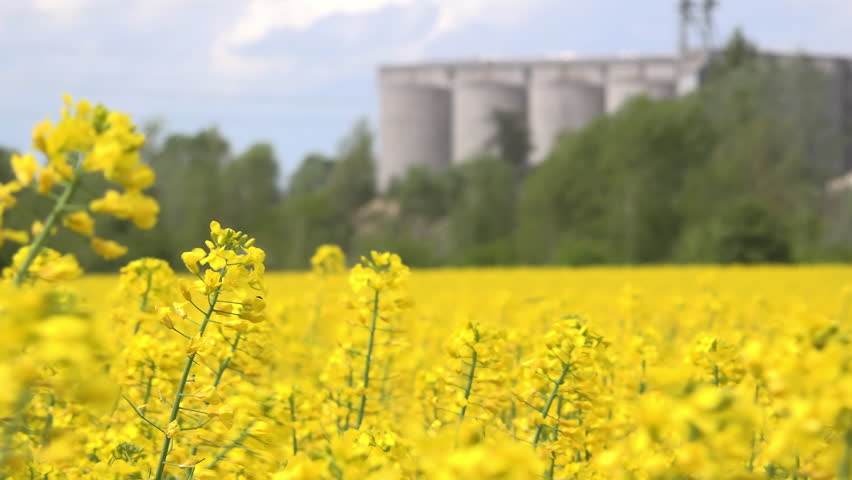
[694, 24]
[686, 17]
[707, 30]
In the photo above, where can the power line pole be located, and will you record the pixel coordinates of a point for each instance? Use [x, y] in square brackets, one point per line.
[694, 24]
[686, 17]
[708, 26]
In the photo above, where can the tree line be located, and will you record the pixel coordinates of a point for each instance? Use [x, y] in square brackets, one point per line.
[733, 172]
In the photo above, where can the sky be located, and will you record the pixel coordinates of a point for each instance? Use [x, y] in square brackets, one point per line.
[299, 73]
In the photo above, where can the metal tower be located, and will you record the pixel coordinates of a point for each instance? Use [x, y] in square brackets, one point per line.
[707, 29]
[696, 24]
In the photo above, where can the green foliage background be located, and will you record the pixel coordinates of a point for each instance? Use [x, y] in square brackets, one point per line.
[734, 172]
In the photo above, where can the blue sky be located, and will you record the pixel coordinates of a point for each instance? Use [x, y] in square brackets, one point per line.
[298, 73]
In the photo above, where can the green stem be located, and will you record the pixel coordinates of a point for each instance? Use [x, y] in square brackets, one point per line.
[552, 469]
[13, 426]
[796, 471]
[48, 422]
[222, 367]
[167, 442]
[559, 401]
[148, 388]
[293, 422]
[243, 435]
[469, 387]
[311, 336]
[368, 360]
[144, 305]
[349, 383]
[844, 471]
[566, 367]
[50, 221]
[385, 380]
[226, 362]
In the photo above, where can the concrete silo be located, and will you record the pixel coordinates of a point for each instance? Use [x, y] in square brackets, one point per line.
[620, 91]
[817, 100]
[416, 126]
[557, 106]
[474, 107]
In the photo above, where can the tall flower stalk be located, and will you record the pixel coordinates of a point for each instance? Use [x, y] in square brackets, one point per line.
[230, 278]
[86, 141]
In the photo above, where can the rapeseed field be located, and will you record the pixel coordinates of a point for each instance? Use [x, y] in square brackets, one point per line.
[225, 371]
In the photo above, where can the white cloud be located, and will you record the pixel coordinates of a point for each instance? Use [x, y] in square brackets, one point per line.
[456, 14]
[58, 12]
[235, 70]
[151, 11]
[264, 16]
[133, 13]
[61, 8]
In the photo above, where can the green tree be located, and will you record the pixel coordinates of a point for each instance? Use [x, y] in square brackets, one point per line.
[352, 179]
[308, 221]
[777, 144]
[252, 197]
[427, 195]
[511, 141]
[613, 188]
[482, 219]
[739, 52]
[753, 233]
[324, 199]
[190, 188]
[6, 251]
[312, 175]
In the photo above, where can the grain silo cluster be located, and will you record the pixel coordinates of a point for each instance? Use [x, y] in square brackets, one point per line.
[440, 114]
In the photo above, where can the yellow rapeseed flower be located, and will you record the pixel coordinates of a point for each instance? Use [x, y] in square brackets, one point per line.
[108, 249]
[80, 222]
[25, 168]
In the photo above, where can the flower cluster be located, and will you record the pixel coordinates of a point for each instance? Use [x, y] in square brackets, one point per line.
[328, 259]
[358, 369]
[86, 141]
[229, 286]
[48, 265]
[52, 362]
[471, 382]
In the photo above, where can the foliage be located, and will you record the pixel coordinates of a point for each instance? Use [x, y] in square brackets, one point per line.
[482, 218]
[662, 181]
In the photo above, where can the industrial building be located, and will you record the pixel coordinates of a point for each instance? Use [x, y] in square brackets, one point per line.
[437, 114]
